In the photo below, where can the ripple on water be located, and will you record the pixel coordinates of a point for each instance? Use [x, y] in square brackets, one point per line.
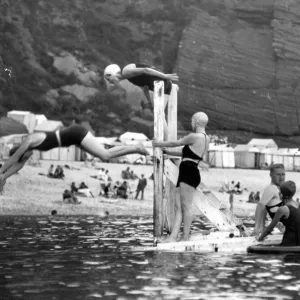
[81, 258]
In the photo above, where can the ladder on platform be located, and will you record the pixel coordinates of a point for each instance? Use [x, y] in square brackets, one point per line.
[207, 202]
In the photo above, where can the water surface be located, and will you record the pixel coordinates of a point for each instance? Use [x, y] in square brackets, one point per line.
[80, 257]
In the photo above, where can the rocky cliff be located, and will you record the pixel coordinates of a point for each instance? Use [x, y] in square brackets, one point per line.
[237, 60]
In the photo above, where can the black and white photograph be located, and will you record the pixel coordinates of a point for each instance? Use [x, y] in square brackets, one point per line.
[150, 150]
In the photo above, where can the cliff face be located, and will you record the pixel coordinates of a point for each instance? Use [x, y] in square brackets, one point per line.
[237, 60]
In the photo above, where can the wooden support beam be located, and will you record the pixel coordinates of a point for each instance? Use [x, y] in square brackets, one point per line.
[170, 188]
[159, 116]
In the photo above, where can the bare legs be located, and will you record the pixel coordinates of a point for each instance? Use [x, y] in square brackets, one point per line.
[231, 201]
[183, 212]
[187, 194]
[177, 220]
[92, 146]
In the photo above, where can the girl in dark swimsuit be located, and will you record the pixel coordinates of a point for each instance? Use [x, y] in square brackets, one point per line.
[143, 76]
[195, 147]
[72, 135]
[288, 215]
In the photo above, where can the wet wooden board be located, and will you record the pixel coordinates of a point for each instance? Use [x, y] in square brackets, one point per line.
[213, 243]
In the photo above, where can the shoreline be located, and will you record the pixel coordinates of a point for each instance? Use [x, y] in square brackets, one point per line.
[31, 194]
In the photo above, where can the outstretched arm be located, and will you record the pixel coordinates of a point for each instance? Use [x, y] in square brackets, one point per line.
[173, 152]
[15, 158]
[132, 71]
[187, 140]
[162, 144]
[282, 211]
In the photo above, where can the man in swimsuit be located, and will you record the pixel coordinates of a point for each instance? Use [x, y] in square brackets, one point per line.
[270, 200]
[143, 76]
[288, 214]
[72, 135]
[195, 147]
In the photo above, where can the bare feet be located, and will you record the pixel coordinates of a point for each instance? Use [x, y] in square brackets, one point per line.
[141, 149]
[184, 239]
[169, 240]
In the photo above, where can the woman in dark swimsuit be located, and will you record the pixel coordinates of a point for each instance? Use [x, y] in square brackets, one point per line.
[72, 135]
[143, 76]
[195, 147]
[288, 215]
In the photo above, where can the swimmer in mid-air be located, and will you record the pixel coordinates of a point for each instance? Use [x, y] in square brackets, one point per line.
[195, 147]
[143, 76]
[73, 135]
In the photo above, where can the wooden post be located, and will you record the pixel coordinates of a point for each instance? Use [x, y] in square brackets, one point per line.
[159, 115]
[172, 135]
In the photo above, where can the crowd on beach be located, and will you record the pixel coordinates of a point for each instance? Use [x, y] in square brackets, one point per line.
[125, 189]
[107, 187]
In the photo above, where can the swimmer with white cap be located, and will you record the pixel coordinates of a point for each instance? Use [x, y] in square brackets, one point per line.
[195, 148]
[143, 76]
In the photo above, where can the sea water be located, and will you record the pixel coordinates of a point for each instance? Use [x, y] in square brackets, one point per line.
[84, 257]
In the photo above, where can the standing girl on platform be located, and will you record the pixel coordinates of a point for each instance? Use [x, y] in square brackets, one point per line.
[195, 147]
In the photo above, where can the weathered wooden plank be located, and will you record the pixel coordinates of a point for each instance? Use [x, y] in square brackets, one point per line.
[158, 165]
[170, 188]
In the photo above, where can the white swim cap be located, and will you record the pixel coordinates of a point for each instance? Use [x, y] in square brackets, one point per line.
[199, 119]
[112, 70]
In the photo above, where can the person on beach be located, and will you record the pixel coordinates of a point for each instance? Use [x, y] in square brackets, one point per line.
[270, 200]
[288, 214]
[143, 76]
[141, 187]
[195, 147]
[73, 135]
[50, 171]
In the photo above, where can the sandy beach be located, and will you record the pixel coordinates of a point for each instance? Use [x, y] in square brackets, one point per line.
[29, 193]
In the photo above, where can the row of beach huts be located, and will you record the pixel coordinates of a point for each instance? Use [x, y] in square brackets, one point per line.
[257, 154]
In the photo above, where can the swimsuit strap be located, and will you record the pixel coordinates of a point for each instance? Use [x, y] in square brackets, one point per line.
[201, 158]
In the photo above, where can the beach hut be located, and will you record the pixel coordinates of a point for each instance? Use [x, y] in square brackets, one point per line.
[221, 156]
[263, 143]
[130, 138]
[25, 117]
[39, 119]
[278, 155]
[48, 126]
[297, 161]
[246, 156]
[265, 158]
[289, 158]
[10, 126]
